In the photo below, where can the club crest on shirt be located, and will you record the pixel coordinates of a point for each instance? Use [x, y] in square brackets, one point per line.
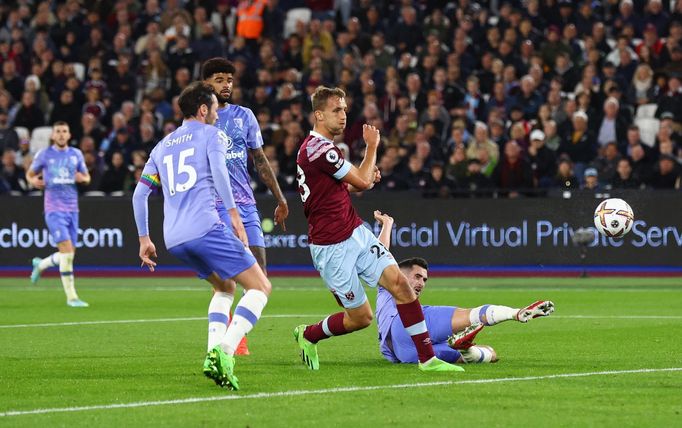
[74, 160]
[332, 156]
[239, 122]
[225, 140]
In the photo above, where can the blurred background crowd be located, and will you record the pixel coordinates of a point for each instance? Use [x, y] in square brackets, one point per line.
[501, 98]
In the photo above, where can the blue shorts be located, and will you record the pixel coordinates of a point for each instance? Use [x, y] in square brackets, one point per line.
[251, 219]
[63, 226]
[439, 323]
[218, 251]
[340, 265]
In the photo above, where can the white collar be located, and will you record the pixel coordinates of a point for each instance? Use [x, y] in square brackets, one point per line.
[318, 135]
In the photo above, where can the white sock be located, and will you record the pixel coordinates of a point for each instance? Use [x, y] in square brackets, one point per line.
[218, 317]
[66, 273]
[477, 354]
[246, 314]
[49, 261]
[492, 314]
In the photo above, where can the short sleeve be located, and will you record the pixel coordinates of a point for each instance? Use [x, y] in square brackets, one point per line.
[38, 162]
[81, 167]
[150, 174]
[254, 138]
[330, 160]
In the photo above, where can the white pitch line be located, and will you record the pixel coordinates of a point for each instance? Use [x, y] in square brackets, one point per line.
[623, 317]
[76, 323]
[294, 393]
[152, 320]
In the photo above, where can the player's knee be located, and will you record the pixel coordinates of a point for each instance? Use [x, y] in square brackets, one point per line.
[267, 287]
[403, 292]
[358, 321]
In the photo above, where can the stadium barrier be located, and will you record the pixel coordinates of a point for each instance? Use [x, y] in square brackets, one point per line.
[458, 235]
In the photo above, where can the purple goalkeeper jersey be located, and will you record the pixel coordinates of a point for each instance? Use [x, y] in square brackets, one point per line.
[242, 130]
[180, 164]
[59, 169]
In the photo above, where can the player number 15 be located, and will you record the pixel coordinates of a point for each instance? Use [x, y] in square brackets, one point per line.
[183, 168]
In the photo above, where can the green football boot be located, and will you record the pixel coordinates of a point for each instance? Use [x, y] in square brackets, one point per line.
[219, 367]
[436, 365]
[308, 349]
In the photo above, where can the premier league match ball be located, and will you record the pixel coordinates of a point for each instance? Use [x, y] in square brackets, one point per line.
[613, 218]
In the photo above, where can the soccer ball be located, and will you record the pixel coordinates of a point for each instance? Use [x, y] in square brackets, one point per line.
[613, 218]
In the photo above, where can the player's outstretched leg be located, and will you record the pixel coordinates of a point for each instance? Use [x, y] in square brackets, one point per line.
[219, 367]
[308, 349]
[541, 308]
[479, 354]
[39, 265]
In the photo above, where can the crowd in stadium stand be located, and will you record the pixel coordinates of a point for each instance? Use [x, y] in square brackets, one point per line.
[495, 97]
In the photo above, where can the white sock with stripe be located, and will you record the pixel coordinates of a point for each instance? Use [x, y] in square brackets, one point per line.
[49, 261]
[246, 314]
[66, 273]
[218, 317]
[492, 314]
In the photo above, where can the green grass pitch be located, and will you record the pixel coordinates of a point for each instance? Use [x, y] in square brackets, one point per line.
[583, 366]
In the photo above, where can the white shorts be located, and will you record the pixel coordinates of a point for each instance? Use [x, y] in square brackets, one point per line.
[342, 265]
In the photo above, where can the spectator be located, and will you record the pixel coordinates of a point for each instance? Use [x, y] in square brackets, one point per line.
[667, 175]
[9, 139]
[542, 160]
[115, 176]
[437, 185]
[481, 141]
[591, 181]
[579, 143]
[474, 180]
[624, 178]
[12, 174]
[513, 174]
[29, 114]
[565, 178]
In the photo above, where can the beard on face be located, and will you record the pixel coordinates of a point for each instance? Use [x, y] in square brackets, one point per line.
[222, 99]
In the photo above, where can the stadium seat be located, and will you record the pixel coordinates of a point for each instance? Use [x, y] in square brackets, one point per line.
[96, 193]
[648, 128]
[646, 111]
[79, 69]
[40, 138]
[293, 16]
[22, 133]
[117, 193]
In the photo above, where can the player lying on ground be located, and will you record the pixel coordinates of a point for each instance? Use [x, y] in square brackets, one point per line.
[57, 169]
[342, 248]
[189, 165]
[452, 329]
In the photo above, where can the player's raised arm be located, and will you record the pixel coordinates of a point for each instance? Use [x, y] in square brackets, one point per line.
[149, 180]
[386, 222]
[364, 177]
[216, 150]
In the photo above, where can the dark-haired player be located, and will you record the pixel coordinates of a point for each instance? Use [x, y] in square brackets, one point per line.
[243, 138]
[452, 329]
